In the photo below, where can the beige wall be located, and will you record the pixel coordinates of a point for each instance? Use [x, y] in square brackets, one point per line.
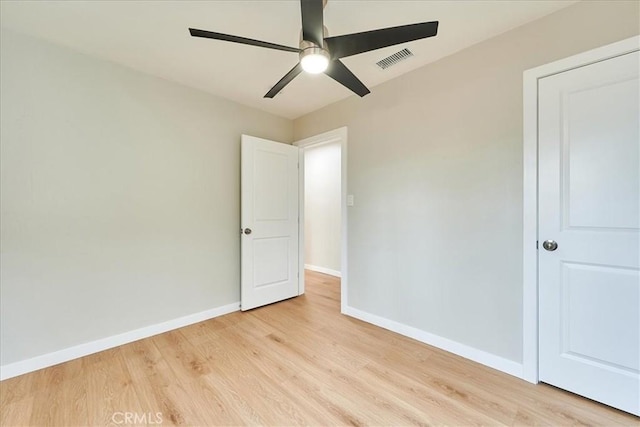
[435, 166]
[119, 195]
[322, 207]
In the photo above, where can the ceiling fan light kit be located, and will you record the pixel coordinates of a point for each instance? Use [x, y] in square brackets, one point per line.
[314, 60]
[319, 53]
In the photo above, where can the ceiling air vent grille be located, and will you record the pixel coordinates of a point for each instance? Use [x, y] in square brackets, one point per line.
[394, 59]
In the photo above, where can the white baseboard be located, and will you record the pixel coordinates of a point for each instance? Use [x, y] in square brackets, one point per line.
[323, 270]
[491, 360]
[39, 362]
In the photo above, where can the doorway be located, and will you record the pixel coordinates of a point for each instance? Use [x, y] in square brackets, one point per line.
[323, 206]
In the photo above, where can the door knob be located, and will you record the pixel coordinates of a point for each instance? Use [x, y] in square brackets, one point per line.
[550, 245]
[247, 231]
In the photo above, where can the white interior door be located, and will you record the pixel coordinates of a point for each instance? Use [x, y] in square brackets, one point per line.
[589, 203]
[269, 221]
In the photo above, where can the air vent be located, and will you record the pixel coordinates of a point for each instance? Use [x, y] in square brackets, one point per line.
[394, 59]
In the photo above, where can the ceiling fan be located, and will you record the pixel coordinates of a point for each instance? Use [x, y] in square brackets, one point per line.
[319, 53]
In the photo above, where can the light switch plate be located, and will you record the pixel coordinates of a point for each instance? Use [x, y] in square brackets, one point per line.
[350, 200]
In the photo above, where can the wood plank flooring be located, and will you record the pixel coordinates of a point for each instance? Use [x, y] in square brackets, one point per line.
[298, 362]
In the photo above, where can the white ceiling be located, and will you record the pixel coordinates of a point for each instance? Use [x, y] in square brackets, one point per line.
[153, 37]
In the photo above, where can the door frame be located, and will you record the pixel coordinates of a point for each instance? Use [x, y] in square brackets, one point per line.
[530, 188]
[336, 135]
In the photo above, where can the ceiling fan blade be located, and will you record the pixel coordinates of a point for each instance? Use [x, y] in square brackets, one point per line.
[340, 73]
[312, 25]
[284, 81]
[237, 39]
[353, 44]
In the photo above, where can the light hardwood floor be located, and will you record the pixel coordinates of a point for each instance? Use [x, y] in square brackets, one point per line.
[292, 363]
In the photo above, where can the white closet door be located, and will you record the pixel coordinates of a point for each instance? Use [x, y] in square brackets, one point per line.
[589, 205]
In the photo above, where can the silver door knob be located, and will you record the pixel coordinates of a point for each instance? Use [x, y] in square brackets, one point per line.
[550, 245]
[247, 231]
